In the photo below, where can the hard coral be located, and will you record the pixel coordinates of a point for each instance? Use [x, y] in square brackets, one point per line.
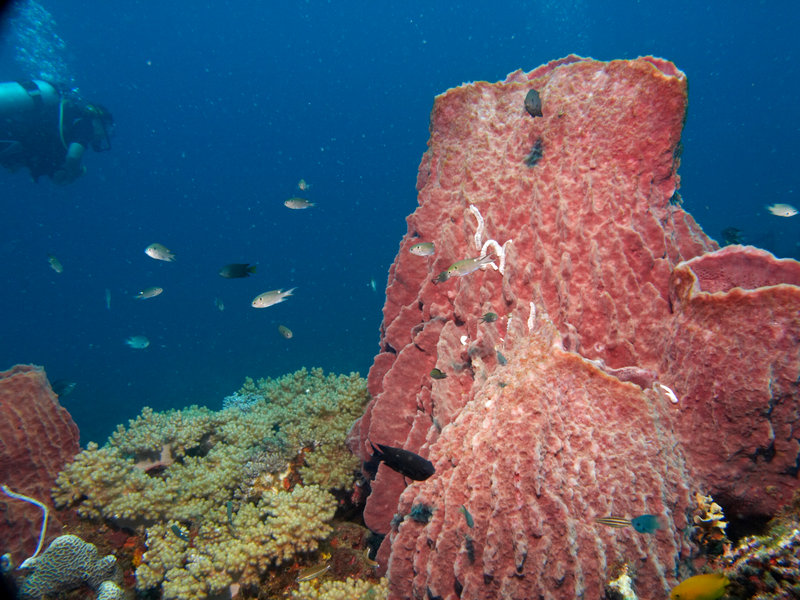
[221, 481]
[342, 590]
[223, 551]
[68, 563]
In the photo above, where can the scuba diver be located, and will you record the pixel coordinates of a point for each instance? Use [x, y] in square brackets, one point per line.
[48, 131]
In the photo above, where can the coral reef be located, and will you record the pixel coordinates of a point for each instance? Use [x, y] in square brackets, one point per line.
[342, 590]
[601, 280]
[37, 438]
[66, 564]
[767, 567]
[218, 553]
[222, 495]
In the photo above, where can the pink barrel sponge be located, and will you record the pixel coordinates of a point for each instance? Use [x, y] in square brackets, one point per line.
[563, 408]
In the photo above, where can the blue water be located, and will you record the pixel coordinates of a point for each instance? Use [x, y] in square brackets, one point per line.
[222, 107]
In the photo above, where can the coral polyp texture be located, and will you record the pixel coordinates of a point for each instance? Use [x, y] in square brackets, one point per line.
[66, 564]
[220, 496]
[631, 363]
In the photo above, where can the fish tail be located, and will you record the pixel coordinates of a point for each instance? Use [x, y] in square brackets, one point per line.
[251, 268]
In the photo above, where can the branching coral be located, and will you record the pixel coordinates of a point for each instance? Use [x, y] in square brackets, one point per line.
[216, 555]
[342, 590]
[210, 487]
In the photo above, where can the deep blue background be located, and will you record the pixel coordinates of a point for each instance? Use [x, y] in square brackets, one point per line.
[221, 107]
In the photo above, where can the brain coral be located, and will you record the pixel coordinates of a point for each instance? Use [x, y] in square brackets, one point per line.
[214, 478]
[68, 563]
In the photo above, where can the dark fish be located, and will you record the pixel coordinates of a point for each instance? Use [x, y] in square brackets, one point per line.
[501, 360]
[421, 513]
[536, 153]
[237, 270]
[533, 104]
[489, 317]
[405, 462]
[62, 387]
[437, 374]
[179, 533]
[732, 235]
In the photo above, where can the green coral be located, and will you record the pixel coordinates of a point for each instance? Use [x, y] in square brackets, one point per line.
[184, 468]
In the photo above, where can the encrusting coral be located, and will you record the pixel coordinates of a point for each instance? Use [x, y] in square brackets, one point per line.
[222, 495]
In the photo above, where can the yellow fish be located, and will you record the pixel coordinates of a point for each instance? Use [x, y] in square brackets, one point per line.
[709, 586]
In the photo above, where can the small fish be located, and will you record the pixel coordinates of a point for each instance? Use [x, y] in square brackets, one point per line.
[782, 210]
[285, 332]
[646, 523]
[302, 185]
[237, 270]
[489, 317]
[437, 374]
[422, 249]
[138, 342]
[62, 387]
[467, 516]
[732, 235]
[405, 462]
[708, 586]
[501, 360]
[272, 297]
[312, 572]
[229, 511]
[614, 521]
[642, 523]
[55, 264]
[533, 103]
[159, 252]
[368, 560]
[149, 292]
[108, 299]
[372, 285]
[465, 267]
[219, 304]
[179, 533]
[298, 203]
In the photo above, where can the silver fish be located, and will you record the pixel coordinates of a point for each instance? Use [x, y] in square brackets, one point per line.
[272, 297]
[159, 252]
[138, 342]
[782, 210]
[298, 203]
[149, 292]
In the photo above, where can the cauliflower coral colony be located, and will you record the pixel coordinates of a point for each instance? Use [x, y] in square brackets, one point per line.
[221, 497]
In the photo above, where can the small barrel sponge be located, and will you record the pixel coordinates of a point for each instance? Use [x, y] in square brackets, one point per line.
[68, 563]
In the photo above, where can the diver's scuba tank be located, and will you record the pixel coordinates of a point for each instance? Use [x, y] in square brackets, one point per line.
[18, 98]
